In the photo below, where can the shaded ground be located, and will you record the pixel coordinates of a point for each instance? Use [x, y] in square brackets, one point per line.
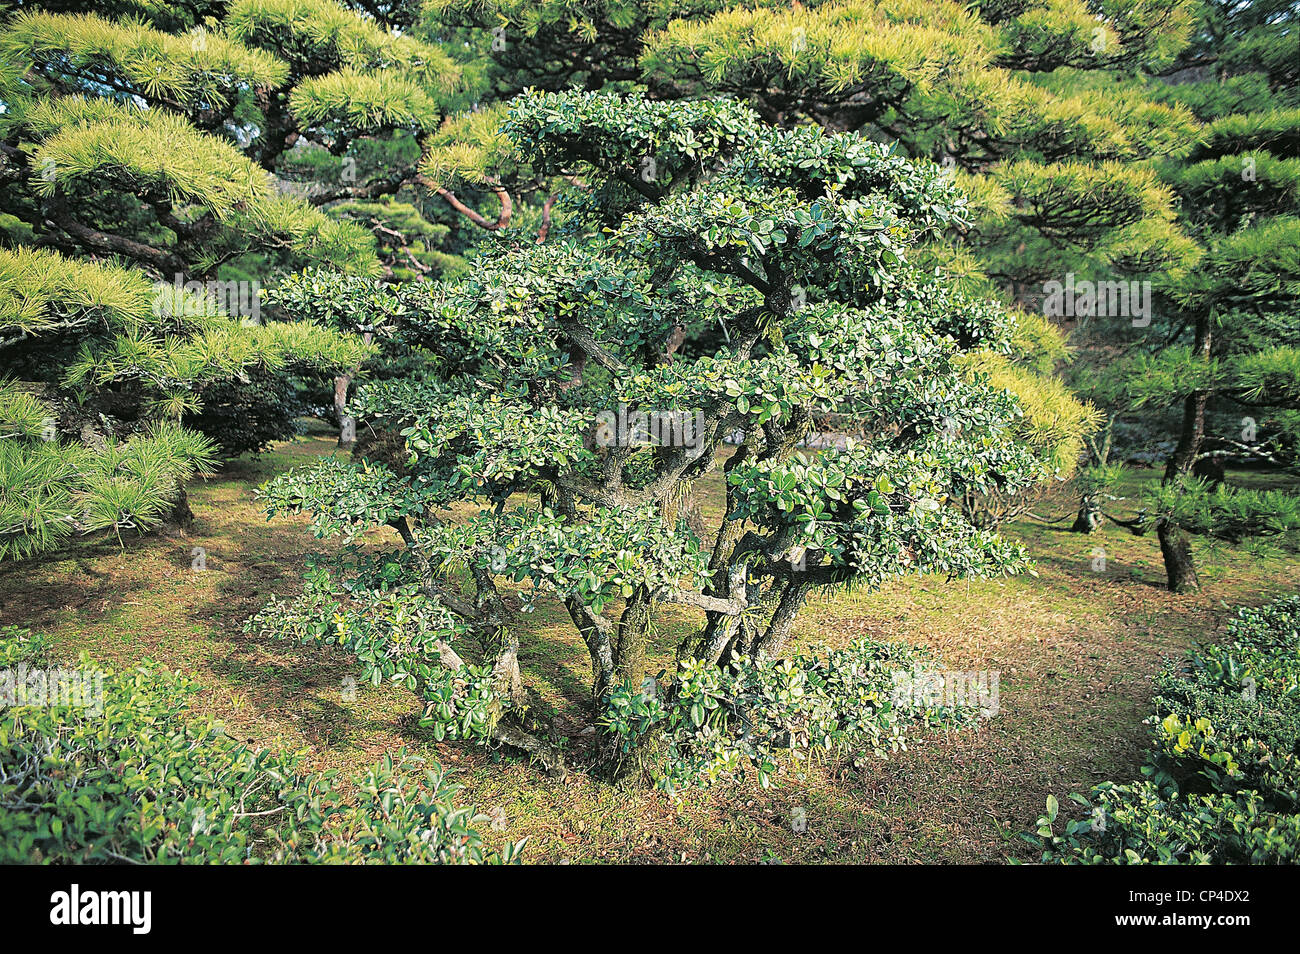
[1076, 648]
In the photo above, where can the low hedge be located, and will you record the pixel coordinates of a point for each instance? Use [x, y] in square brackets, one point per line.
[122, 773]
[1220, 784]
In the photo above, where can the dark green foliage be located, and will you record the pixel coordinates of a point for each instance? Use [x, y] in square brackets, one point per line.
[722, 722]
[247, 416]
[804, 248]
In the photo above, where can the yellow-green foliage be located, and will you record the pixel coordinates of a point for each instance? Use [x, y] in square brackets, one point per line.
[1164, 378]
[400, 225]
[470, 148]
[1037, 343]
[1277, 131]
[49, 490]
[22, 413]
[1234, 188]
[1233, 513]
[1074, 114]
[1055, 422]
[198, 68]
[137, 331]
[1055, 33]
[1086, 197]
[1152, 246]
[365, 102]
[991, 84]
[41, 290]
[989, 201]
[580, 17]
[1271, 376]
[322, 36]
[151, 150]
[1152, 32]
[112, 147]
[1260, 262]
[311, 235]
[1043, 35]
[831, 47]
[224, 348]
[36, 495]
[959, 265]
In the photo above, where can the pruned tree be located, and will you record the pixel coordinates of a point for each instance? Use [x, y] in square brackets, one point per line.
[573, 434]
[140, 220]
[1041, 111]
[103, 368]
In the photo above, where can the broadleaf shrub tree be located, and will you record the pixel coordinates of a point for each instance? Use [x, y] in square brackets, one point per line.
[1038, 109]
[567, 421]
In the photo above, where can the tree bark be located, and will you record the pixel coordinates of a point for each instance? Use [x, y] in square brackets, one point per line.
[1176, 548]
[630, 639]
[180, 517]
[347, 423]
[778, 630]
[1089, 518]
[1189, 440]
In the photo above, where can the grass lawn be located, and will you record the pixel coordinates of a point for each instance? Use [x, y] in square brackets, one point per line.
[1076, 649]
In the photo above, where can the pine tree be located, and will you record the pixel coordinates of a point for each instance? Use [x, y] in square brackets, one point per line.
[335, 103]
[129, 204]
[1226, 357]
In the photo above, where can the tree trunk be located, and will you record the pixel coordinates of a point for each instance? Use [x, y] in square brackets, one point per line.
[180, 517]
[1211, 470]
[628, 645]
[1189, 440]
[347, 423]
[1176, 547]
[778, 630]
[1089, 518]
[630, 640]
